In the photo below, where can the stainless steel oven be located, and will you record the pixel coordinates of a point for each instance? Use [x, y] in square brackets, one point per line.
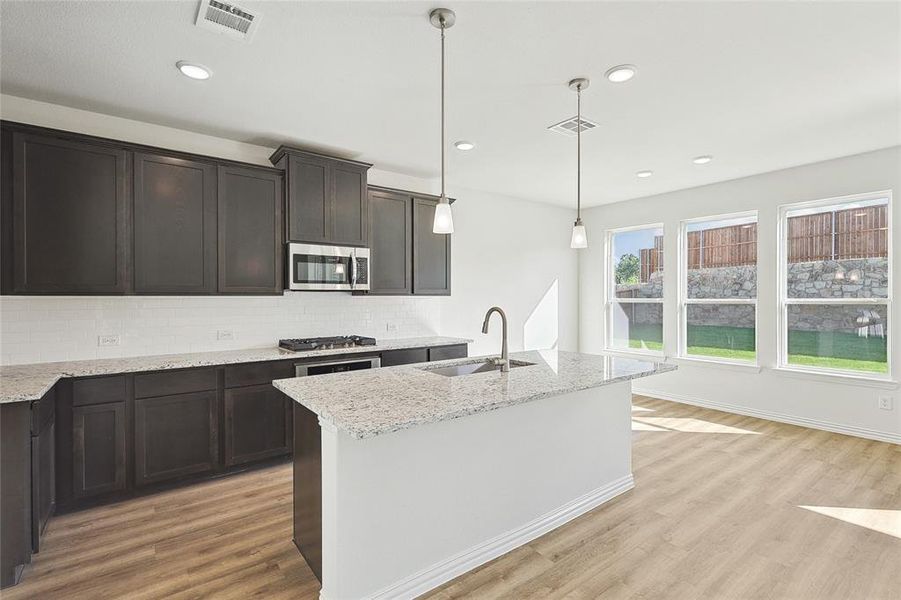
[336, 366]
[327, 268]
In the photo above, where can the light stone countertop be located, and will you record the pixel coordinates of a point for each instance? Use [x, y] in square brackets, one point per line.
[21, 383]
[368, 403]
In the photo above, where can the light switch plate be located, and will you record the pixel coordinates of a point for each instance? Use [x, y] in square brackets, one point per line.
[107, 340]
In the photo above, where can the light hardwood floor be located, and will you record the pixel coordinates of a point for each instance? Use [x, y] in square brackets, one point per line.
[716, 513]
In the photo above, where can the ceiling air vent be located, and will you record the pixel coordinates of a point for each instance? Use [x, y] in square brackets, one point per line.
[228, 19]
[570, 125]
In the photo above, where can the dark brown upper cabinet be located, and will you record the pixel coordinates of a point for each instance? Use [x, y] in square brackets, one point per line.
[407, 258]
[390, 242]
[70, 216]
[327, 198]
[174, 225]
[250, 231]
[431, 252]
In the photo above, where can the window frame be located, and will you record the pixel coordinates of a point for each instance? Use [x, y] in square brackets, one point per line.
[783, 301]
[610, 293]
[685, 301]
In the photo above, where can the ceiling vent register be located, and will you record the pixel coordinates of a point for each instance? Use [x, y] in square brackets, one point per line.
[569, 126]
[227, 19]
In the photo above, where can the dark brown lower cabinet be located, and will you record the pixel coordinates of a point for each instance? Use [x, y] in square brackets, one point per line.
[99, 434]
[257, 424]
[392, 358]
[175, 436]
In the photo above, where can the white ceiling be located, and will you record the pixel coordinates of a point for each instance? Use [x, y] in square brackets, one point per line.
[760, 85]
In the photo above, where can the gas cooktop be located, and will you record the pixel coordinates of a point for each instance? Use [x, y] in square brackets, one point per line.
[325, 343]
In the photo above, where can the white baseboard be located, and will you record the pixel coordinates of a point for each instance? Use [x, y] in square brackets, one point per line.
[442, 572]
[862, 432]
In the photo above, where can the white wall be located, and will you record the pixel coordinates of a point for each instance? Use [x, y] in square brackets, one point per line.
[818, 401]
[506, 251]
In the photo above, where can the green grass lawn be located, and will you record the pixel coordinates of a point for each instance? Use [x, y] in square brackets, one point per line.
[845, 351]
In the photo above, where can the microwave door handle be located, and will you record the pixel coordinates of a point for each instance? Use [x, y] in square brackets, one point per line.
[353, 269]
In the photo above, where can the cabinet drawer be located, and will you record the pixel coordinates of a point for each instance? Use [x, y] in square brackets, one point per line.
[448, 352]
[98, 390]
[392, 358]
[164, 383]
[258, 373]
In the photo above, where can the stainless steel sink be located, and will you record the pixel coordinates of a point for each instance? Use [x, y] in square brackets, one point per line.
[485, 366]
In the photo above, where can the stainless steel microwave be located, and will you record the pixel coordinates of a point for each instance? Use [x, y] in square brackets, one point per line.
[327, 268]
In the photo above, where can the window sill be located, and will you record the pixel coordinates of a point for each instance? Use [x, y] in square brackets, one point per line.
[842, 378]
[715, 364]
[637, 354]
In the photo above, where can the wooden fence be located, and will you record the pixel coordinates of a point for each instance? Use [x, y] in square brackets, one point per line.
[839, 235]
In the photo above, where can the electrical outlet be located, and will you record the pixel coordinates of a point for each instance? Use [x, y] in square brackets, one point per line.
[225, 334]
[391, 327]
[885, 402]
[107, 340]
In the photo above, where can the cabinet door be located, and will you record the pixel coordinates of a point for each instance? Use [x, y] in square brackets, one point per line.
[250, 224]
[391, 243]
[70, 217]
[175, 436]
[257, 424]
[392, 358]
[350, 205]
[99, 448]
[431, 252]
[309, 196]
[174, 225]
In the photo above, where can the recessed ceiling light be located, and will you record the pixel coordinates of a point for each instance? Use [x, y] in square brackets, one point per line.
[464, 145]
[193, 70]
[702, 160]
[620, 73]
[644, 174]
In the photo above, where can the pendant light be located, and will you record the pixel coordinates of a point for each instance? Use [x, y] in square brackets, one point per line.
[579, 238]
[442, 18]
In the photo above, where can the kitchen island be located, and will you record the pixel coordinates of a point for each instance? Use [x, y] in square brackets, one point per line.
[406, 477]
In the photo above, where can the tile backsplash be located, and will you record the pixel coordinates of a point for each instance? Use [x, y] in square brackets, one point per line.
[43, 329]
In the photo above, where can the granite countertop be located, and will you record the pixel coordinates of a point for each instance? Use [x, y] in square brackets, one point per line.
[20, 383]
[368, 403]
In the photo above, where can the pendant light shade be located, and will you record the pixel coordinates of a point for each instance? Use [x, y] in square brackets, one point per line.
[579, 237]
[444, 219]
[442, 18]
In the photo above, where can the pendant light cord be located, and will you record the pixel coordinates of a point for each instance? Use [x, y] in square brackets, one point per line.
[443, 196]
[579, 153]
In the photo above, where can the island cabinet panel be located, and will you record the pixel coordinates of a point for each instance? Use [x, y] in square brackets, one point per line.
[391, 242]
[43, 465]
[448, 352]
[70, 216]
[257, 424]
[15, 491]
[350, 209]
[174, 225]
[308, 487]
[327, 199]
[175, 436]
[391, 358]
[99, 433]
[431, 252]
[250, 231]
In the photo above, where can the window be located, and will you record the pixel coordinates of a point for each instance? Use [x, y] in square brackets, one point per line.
[634, 309]
[718, 291]
[835, 289]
